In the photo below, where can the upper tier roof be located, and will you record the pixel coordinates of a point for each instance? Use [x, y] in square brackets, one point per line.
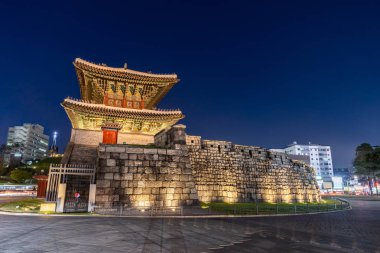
[124, 73]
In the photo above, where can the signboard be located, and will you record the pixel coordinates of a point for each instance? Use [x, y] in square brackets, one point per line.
[337, 182]
[327, 185]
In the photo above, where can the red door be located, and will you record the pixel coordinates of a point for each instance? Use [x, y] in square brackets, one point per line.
[109, 136]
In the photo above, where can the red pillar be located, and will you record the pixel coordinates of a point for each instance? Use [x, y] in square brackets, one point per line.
[42, 181]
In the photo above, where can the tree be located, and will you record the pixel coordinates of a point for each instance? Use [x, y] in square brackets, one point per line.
[20, 175]
[367, 163]
[44, 164]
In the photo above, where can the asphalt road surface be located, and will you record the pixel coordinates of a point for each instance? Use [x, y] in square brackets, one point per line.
[357, 230]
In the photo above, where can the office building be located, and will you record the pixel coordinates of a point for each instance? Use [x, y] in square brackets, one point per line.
[31, 141]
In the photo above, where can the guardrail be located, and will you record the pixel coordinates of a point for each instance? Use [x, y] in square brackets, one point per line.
[273, 209]
[254, 209]
[13, 187]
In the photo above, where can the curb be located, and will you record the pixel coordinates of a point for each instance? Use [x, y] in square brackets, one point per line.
[171, 217]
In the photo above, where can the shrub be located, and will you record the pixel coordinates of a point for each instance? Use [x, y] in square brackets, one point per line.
[21, 175]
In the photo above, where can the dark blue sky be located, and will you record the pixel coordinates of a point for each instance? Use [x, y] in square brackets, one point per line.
[262, 73]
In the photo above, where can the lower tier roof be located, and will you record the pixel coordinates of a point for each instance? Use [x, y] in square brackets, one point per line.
[93, 116]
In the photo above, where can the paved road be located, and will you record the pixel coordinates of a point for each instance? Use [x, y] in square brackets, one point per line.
[357, 230]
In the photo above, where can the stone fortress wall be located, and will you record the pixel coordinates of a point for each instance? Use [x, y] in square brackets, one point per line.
[180, 170]
[146, 176]
[235, 173]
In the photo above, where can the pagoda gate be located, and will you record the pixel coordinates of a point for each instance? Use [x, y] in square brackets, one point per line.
[118, 105]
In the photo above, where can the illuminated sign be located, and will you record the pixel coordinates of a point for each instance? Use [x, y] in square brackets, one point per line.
[337, 182]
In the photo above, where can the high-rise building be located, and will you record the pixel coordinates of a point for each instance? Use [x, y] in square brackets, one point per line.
[32, 142]
[319, 155]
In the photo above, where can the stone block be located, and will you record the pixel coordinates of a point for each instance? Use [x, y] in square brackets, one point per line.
[169, 196]
[163, 170]
[134, 150]
[170, 190]
[111, 162]
[147, 191]
[124, 156]
[124, 170]
[127, 176]
[103, 183]
[174, 152]
[150, 151]
[128, 191]
[141, 184]
[161, 151]
[103, 155]
[137, 191]
[132, 170]
[117, 149]
[116, 185]
[101, 198]
[193, 196]
[108, 176]
[132, 156]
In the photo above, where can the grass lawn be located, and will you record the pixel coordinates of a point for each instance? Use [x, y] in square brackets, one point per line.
[29, 205]
[272, 208]
[22, 206]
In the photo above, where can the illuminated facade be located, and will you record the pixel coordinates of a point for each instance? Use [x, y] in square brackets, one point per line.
[118, 105]
[168, 168]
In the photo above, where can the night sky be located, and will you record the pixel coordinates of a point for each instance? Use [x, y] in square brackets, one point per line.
[263, 73]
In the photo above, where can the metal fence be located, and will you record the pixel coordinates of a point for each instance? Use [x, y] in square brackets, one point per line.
[59, 173]
[254, 209]
[120, 210]
[273, 209]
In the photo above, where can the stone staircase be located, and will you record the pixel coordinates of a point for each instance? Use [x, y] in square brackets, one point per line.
[80, 154]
